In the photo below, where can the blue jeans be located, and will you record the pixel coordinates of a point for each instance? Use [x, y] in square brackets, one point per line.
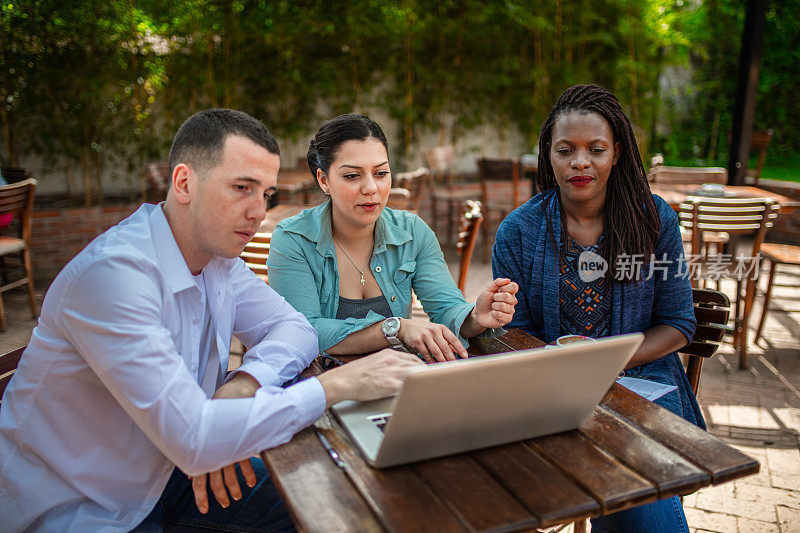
[663, 516]
[259, 509]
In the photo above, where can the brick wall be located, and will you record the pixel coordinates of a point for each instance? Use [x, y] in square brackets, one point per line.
[59, 234]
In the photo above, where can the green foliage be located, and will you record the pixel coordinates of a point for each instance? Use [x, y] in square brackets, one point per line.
[103, 85]
[698, 123]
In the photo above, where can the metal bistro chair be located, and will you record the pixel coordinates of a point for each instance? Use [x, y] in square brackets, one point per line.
[255, 254]
[750, 217]
[8, 365]
[493, 172]
[17, 199]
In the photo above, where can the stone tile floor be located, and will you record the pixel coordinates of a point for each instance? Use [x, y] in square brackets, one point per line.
[757, 410]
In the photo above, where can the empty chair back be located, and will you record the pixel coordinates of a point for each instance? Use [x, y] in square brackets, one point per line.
[17, 199]
[735, 216]
[255, 254]
[711, 310]
[399, 198]
[471, 222]
[759, 143]
[414, 183]
[500, 169]
[15, 174]
[157, 179]
[441, 161]
[8, 365]
[688, 175]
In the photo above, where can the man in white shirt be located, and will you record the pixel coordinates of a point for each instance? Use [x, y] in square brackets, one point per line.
[123, 391]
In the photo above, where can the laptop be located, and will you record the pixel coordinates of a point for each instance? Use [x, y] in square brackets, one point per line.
[463, 405]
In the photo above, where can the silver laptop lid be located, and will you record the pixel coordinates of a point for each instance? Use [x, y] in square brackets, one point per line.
[457, 406]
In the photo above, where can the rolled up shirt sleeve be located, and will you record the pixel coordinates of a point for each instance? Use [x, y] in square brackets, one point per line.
[123, 339]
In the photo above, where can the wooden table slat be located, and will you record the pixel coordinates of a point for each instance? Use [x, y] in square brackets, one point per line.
[473, 494]
[546, 491]
[668, 471]
[616, 489]
[396, 495]
[323, 498]
[720, 461]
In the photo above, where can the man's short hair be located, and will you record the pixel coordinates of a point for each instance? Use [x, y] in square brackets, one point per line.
[201, 139]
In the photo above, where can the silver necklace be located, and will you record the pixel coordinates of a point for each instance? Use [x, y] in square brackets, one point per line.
[360, 270]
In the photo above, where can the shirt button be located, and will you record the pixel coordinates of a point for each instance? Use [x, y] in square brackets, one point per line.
[194, 369]
[377, 269]
[196, 321]
[394, 298]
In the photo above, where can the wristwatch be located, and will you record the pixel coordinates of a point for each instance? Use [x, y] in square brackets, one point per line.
[390, 328]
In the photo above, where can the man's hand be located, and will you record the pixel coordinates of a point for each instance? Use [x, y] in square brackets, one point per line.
[225, 481]
[222, 482]
[494, 307]
[369, 378]
[434, 342]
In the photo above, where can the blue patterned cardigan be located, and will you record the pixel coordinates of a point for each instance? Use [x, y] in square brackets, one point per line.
[523, 252]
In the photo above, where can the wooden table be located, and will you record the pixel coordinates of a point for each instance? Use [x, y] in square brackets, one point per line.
[294, 181]
[278, 213]
[629, 452]
[676, 193]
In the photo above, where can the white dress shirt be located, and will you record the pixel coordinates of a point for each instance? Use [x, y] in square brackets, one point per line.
[106, 399]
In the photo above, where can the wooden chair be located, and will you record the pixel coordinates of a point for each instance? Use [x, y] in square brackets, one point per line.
[17, 199]
[441, 161]
[735, 216]
[255, 254]
[8, 365]
[471, 222]
[471, 219]
[759, 143]
[15, 174]
[157, 181]
[399, 198]
[414, 183]
[494, 171]
[776, 254]
[690, 175]
[711, 310]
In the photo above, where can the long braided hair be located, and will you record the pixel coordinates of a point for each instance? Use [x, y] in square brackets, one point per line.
[631, 222]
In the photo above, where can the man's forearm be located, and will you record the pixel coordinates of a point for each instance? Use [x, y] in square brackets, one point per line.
[241, 385]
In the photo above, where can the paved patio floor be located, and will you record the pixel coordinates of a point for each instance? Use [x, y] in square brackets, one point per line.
[757, 410]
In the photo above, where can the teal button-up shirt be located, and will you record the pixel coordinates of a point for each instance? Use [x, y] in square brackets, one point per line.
[303, 269]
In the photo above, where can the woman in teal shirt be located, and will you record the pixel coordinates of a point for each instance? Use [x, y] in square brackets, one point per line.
[349, 264]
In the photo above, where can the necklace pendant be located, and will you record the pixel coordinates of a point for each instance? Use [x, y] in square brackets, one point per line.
[362, 278]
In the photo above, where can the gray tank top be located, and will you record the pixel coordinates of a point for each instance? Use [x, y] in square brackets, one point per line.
[351, 308]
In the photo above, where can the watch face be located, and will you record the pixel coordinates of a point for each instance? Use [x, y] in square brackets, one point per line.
[391, 326]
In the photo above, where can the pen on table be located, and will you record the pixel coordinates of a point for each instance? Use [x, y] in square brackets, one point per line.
[328, 448]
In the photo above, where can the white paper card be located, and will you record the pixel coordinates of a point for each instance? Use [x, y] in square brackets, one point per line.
[643, 387]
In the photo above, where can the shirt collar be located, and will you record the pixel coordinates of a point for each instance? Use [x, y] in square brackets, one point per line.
[173, 264]
[317, 229]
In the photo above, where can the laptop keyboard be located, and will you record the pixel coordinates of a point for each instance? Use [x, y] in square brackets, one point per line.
[381, 420]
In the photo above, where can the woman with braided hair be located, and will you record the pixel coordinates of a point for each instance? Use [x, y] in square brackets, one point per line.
[596, 254]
